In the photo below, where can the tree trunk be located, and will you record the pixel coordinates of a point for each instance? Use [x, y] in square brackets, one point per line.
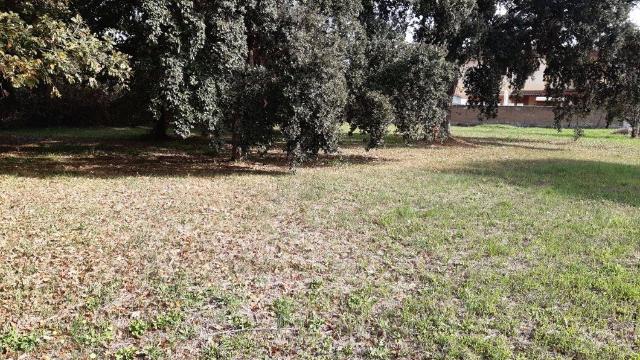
[5, 99]
[161, 127]
[236, 140]
[446, 125]
[635, 124]
[635, 130]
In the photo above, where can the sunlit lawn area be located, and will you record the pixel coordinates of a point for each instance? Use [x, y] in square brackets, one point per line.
[510, 243]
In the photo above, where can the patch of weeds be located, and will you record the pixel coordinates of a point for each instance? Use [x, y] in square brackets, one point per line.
[229, 347]
[11, 340]
[100, 294]
[361, 301]
[138, 327]
[195, 297]
[481, 301]
[153, 353]
[379, 352]
[229, 300]
[347, 350]
[566, 340]
[283, 309]
[490, 348]
[496, 248]
[186, 332]
[89, 334]
[170, 290]
[315, 284]
[314, 322]
[164, 321]
[240, 321]
[618, 283]
[356, 308]
[180, 291]
[126, 353]
[402, 214]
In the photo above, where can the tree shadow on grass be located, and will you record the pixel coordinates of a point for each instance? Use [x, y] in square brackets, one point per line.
[528, 144]
[592, 180]
[42, 158]
[394, 140]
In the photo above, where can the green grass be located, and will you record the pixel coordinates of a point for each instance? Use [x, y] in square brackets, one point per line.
[511, 243]
[102, 133]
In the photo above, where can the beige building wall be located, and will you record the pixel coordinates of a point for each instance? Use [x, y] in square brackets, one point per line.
[526, 116]
[534, 84]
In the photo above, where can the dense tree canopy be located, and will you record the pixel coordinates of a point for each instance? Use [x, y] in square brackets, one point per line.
[255, 73]
[618, 89]
[392, 81]
[247, 68]
[498, 39]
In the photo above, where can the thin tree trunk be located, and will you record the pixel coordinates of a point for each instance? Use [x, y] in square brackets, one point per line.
[161, 127]
[237, 144]
[236, 139]
[7, 99]
[635, 124]
[446, 125]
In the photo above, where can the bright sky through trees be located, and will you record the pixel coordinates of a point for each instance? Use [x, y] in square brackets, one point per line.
[635, 16]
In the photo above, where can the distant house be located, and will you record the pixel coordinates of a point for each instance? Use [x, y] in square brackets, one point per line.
[533, 93]
[530, 107]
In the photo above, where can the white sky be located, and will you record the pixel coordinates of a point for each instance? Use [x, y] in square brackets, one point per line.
[635, 15]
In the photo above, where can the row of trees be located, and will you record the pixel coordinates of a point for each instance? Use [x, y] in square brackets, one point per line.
[257, 72]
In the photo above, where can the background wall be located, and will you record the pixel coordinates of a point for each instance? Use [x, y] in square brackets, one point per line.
[526, 116]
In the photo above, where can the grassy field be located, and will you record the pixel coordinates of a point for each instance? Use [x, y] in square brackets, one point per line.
[512, 243]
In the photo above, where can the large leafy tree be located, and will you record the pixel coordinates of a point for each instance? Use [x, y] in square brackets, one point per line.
[483, 42]
[392, 81]
[498, 39]
[238, 67]
[185, 54]
[619, 88]
[310, 71]
[43, 43]
[580, 42]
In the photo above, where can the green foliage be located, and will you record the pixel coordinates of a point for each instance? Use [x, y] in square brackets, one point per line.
[126, 353]
[265, 72]
[229, 347]
[620, 89]
[45, 44]
[166, 320]
[508, 40]
[372, 113]
[259, 73]
[312, 83]
[85, 333]
[422, 79]
[379, 352]
[360, 301]
[11, 340]
[283, 309]
[393, 81]
[153, 353]
[137, 327]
